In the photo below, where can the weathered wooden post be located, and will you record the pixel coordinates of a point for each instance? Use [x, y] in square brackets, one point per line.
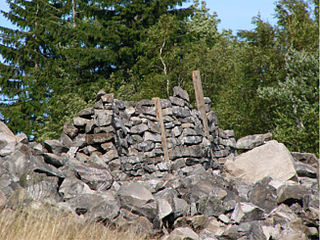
[200, 100]
[158, 107]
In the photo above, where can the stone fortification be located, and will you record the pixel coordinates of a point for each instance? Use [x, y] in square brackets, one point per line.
[127, 137]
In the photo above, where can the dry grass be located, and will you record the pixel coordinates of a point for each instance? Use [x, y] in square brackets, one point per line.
[47, 225]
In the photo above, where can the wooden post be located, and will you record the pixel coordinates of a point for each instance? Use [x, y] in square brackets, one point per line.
[200, 100]
[162, 128]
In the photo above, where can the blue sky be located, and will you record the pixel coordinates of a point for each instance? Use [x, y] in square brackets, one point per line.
[234, 14]
[237, 14]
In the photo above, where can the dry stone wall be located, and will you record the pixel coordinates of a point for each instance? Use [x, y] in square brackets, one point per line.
[127, 136]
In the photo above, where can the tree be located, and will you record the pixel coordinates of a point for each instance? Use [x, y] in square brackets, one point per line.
[28, 73]
[297, 102]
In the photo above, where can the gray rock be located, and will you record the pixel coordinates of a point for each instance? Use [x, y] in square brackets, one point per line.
[146, 146]
[148, 136]
[86, 113]
[22, 138]
[181, 112]
[179, 92]
[99, 94]
[139, 129]
[136, 198]
[164, 208]
[175, 101]
[72, 187]
[107, 98]
[307, 158]
[291, 192]
[102, 118]
[102, 207]
[252, 141]
[191, 140]
[271, 159]
[182, 233]
[96, 178]
[80, 122]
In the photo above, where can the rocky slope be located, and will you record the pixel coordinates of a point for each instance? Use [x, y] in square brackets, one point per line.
[109, 166]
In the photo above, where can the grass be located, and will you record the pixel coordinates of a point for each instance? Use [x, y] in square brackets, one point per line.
[33, 224]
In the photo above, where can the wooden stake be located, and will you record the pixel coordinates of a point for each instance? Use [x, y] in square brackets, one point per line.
[162, 128]
[200, 100]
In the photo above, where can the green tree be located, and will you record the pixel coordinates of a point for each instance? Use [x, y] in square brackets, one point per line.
[28, 72]
[297, 102]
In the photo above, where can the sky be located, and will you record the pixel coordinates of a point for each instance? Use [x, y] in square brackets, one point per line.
[234, 14]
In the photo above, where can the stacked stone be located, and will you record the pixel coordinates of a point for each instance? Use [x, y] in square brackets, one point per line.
[127, 137]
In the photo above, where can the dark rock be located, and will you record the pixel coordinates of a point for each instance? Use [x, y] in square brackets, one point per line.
[55, 146]
[305, 170]
[263, 195]
[53, 159]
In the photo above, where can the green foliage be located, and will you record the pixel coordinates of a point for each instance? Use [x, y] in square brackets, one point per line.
[297, 102]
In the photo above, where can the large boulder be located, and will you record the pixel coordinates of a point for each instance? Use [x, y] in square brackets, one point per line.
[272, 159]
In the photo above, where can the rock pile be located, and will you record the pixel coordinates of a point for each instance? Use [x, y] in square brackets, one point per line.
[109, 166]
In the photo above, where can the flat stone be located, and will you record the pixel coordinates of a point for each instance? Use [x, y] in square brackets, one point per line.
[181, 112]
[271, 159]
[80, 122]
[99, 137]
[148, 136]
[86, 113]
[252, 141]
[139, 129]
